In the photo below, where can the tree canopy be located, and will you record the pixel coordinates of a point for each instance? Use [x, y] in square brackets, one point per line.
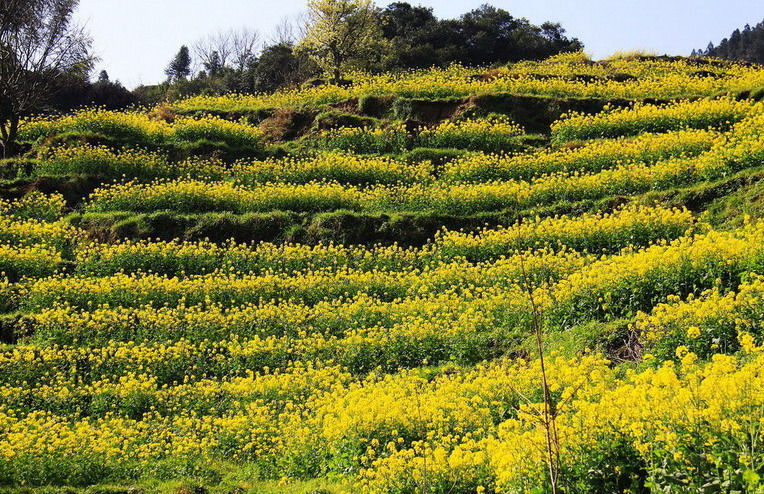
[484, 36]
[40, 47]
[341, 34]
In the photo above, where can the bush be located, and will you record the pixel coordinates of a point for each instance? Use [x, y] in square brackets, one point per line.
[374, 106]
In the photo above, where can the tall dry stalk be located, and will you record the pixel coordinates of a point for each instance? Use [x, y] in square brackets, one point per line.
[423, 432]
[549, 418]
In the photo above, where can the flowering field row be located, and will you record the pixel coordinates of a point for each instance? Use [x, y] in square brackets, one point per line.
[591, 157]
[351, 169]
[653, 79]
[701, 114]
[310, 287]
[139, 128]
[625, 227]
[194, 196]
[488, 135]
[716, 321]
[573, 288]
[742, 147]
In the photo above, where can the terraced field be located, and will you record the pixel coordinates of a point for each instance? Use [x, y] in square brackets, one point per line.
[347, 288]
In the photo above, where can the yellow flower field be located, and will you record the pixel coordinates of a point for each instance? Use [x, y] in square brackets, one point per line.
[192, 302]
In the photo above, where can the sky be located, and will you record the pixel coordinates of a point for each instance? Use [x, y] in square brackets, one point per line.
[136, 39]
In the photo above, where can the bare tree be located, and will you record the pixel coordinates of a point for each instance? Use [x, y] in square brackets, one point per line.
[234, 46]
[214, 50]
[39, 44]
[289, 30]
[245, 43]
[283, 33]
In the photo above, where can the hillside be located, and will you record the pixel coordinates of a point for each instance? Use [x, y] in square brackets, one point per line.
[440, 281]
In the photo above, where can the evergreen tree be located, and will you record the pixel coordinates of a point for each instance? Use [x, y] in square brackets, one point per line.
[278, 66]
[214, 65]
[180, 66]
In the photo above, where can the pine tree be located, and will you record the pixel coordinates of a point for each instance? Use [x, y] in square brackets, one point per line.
[214, 65]
[180, 66]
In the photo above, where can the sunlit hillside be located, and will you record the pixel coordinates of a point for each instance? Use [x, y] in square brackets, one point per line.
[546, 277]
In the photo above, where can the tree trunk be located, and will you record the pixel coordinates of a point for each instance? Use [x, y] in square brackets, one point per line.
[337, 62]
[9, 132]
[3, 139]
[13, 133]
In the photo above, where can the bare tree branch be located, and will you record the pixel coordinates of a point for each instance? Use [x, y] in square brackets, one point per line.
[214, 49]
[245, 44]
[285, 32]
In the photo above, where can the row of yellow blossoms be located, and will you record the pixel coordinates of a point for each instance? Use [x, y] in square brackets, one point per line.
[399, 333]
[590, 157]
[669, 427]
[712, 322]
[653, 78]
[141, 128]
[573, 288]
[31, 232]
[592, 232]
[743, 147]
[611, 287]
[36, 249]
[195, 196]
[34, 261]
[231, 288]
[34, 206]
[345, 168]
[455, 430]
[701, 114]
[103, 161]
[493, 135]
[620, 286]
